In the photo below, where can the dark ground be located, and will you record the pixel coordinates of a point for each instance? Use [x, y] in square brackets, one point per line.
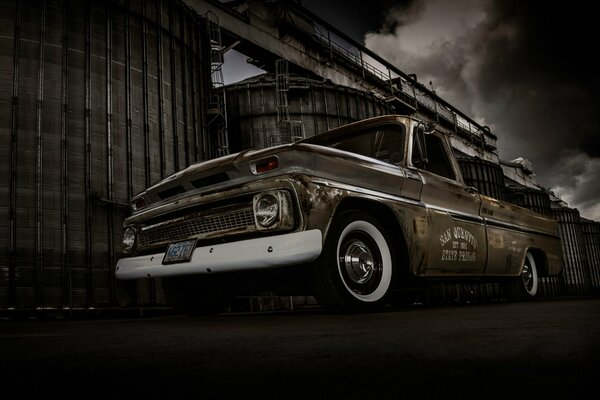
[548, 349]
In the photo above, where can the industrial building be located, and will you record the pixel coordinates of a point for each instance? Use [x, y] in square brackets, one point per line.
[102, 98]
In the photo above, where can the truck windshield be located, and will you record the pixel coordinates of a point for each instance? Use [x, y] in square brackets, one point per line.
[385, 143]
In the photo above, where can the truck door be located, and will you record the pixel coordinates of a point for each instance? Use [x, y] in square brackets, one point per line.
[457, 242]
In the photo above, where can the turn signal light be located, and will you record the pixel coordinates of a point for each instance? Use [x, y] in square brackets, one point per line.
[266, 165]
[138, 204]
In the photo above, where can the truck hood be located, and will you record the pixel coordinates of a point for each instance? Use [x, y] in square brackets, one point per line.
[300, 158]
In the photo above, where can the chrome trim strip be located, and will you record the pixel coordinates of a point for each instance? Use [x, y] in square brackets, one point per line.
[368, 192]
[457, 214]
[507, 225]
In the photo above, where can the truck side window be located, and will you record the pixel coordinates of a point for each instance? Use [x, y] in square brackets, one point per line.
[437, 158]
[389, 146]
[439, 163]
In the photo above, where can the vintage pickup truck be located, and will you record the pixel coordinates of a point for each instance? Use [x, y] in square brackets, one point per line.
[352, 215]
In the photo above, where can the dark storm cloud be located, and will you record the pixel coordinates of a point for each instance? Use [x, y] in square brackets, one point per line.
[576, 181]
[546, 83]
[548, 67]
[355, 17]
[524, 68]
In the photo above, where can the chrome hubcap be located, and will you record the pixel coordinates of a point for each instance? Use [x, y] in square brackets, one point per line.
[527, 276]
[358, 262]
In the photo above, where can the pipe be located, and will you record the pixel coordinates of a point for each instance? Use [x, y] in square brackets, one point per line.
[12, 279]
[128, 138]
[109, 104]
[193, 40]
[146, 93]
[109, 152]
[173, 89]
[39, 261]
[314, 108]
[326, 107]
[184, 83]
[89, 260]
[66, 270]
[161, 95]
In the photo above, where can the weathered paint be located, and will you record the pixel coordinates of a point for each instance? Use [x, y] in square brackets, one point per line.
[448, 229]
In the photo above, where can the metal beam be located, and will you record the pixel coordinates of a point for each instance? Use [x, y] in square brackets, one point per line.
[303, 52]
[267, 37]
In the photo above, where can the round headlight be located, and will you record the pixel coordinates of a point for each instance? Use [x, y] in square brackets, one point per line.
[128, 239]
[266, 209]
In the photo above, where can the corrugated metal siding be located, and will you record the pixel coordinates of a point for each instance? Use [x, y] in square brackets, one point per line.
[591, 240]
[486, 176]
[99, 99]
[576, 276]
[536, 200]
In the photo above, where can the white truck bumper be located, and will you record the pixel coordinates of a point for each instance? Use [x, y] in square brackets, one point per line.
[272, 251]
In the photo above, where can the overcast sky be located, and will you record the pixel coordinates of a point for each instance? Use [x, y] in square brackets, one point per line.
[524, 68]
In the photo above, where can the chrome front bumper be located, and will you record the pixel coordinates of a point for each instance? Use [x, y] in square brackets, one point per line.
[244, 255]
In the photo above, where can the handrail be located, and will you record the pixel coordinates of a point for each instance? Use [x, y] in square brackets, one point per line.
[408, 86]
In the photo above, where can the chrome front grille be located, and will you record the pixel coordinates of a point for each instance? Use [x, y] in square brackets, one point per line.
[238, 221]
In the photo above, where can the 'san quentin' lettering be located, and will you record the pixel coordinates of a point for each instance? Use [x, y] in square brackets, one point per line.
[461, 233]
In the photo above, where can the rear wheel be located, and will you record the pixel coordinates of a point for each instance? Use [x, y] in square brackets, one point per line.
[524, 286]
[195, 295]
[354, 271]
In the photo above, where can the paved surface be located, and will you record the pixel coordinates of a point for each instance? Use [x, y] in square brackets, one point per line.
[526, 350]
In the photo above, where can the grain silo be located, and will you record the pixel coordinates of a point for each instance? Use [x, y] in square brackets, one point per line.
[99, 99]
[313, 106]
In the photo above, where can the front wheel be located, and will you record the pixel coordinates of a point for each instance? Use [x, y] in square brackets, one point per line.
[354, 271]
[524, 286]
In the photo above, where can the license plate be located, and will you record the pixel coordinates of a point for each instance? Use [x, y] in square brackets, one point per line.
[179, 252]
